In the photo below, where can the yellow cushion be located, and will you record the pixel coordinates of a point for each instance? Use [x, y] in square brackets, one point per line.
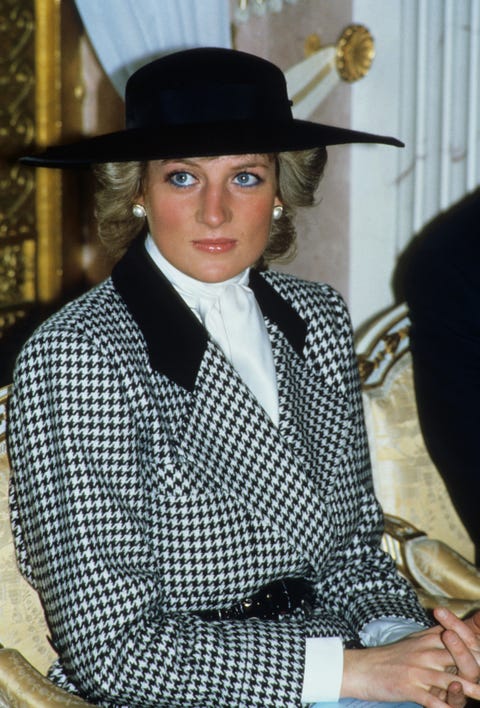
[406, 481]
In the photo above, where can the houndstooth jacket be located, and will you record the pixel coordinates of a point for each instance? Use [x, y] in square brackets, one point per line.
[149, 484]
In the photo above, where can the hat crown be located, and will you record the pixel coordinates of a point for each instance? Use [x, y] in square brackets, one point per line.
[207, 85]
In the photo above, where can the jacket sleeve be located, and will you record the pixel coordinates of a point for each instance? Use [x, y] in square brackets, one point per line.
[79, 504]
[360, 582]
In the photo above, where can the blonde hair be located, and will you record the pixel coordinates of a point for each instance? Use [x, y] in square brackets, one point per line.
[299, 174]
[119, 184]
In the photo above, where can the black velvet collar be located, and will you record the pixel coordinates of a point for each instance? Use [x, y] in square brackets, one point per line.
[176, 340]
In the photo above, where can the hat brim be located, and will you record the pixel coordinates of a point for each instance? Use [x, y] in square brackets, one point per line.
[200, 140]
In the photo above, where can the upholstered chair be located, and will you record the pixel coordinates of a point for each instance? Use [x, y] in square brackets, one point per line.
[423, 531]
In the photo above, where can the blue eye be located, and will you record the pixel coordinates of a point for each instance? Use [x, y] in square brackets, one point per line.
[181, 179]
[247, 179]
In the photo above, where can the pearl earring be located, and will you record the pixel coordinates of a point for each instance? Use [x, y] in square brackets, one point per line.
[277, 212]
[138, 210]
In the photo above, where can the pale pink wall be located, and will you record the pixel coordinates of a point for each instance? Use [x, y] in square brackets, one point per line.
[323, 241]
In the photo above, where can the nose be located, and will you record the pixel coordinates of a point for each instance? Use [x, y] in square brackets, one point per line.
[214, 209]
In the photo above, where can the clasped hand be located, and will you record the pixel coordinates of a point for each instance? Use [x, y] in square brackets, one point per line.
[419, 667]
[462, 639]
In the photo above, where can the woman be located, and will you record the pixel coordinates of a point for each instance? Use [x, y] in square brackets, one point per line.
[191, 493]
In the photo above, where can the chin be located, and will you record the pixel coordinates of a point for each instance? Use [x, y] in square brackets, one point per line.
[217, 278]
[216, 275]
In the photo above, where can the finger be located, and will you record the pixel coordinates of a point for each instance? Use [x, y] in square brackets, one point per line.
[462, 656]
[455, 696]
[464, 630]
[436, 698]
[439, 693]
[441, 678]
[470, 690]
[440, 689]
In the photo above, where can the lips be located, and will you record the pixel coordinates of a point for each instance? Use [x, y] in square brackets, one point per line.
[215, 245]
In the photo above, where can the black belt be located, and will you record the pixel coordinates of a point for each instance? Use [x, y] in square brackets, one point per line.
[272, 601]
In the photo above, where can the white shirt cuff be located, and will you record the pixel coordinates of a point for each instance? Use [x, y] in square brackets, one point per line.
[388, 630]
[322, 679]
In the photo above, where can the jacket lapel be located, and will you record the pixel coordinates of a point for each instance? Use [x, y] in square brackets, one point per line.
[228, 437]
[175, 339]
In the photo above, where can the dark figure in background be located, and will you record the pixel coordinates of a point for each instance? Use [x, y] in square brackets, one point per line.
[442, 289]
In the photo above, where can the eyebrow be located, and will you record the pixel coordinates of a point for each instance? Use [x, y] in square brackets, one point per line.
[247, 160]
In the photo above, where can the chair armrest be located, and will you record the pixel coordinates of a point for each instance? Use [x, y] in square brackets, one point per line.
[397, 532]
[22, 686]
[431, 564]
[461, 608]
[442, 571]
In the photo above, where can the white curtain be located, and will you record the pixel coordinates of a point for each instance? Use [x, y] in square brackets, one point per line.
[424, 88]
[128, 33]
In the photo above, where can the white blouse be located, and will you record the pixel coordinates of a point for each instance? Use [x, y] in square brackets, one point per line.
[230, 313]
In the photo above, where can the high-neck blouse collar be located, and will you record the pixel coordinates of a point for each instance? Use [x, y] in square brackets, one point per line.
[196, 293]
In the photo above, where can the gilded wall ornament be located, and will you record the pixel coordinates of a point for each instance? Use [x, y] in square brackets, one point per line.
[355, 52]
[17, 268]
[30, 116]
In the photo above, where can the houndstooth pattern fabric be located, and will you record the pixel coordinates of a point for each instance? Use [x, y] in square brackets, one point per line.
[149, 484]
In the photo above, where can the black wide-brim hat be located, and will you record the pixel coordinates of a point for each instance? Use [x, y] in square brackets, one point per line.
[199, 103]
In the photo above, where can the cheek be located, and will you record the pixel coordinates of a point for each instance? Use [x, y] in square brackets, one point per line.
[166, 218]
[260, 209]
[260, 218]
